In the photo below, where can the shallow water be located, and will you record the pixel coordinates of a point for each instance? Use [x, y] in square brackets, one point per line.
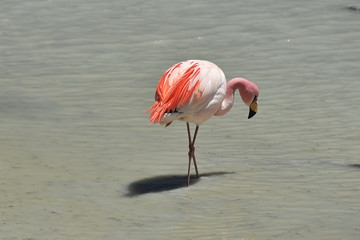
[80, 161]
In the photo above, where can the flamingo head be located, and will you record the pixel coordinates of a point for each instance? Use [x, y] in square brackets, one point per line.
[249, 93]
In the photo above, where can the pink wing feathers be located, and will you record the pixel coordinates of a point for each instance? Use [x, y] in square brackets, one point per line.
[191, 91]
[175, 89]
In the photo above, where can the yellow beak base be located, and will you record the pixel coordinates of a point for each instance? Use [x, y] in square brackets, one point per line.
[252, 109]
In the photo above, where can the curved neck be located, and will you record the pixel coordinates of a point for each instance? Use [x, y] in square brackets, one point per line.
[228, 101]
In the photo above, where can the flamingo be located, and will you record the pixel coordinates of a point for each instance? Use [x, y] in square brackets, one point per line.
[195, 90]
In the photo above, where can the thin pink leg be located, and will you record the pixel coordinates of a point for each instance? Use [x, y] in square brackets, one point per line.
[189, 135]
[192, 152]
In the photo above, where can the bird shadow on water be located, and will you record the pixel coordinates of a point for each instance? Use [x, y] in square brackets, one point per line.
[354, 165]
[165, 183]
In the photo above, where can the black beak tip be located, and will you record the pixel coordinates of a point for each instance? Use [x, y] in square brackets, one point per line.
[251, 114]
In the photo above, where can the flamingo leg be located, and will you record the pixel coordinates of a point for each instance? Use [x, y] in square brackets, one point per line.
[193, 143]
[192, 152]
[189, 135]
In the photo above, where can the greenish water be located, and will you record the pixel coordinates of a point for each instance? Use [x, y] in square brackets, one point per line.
[80, 161]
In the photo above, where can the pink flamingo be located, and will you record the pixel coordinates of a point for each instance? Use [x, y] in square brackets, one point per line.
[194, 91]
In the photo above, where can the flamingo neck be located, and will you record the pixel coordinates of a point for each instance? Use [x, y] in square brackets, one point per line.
[228, 101]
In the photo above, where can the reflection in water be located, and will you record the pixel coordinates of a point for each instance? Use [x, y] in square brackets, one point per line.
[164, 183]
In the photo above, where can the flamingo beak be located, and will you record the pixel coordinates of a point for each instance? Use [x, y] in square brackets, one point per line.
[253, 109]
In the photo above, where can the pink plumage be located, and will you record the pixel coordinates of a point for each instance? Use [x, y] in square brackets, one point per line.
[194, 91]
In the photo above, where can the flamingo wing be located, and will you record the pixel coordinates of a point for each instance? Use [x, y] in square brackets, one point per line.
[186, 86]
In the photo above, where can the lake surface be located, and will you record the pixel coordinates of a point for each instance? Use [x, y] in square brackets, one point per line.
[79, 159]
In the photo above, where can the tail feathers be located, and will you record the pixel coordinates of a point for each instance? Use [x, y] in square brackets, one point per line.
[160, 114]
[157, 112]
